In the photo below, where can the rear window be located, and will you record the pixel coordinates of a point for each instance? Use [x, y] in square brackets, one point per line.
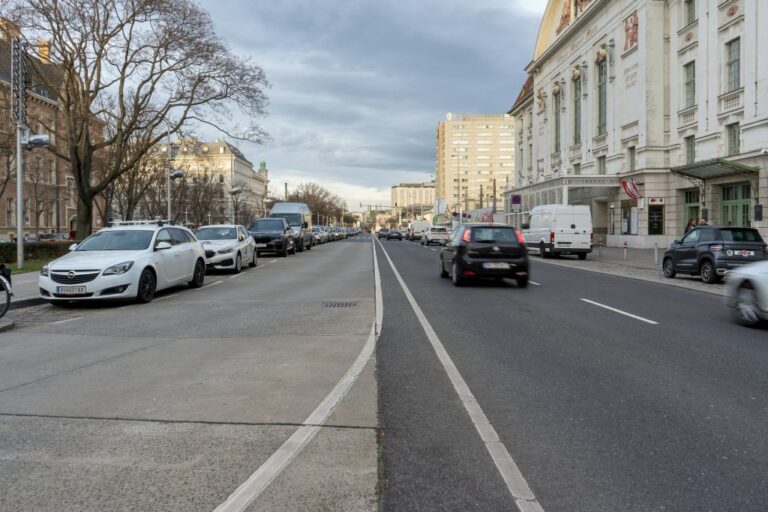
[493, 234]
[741, 235]
[439, 230]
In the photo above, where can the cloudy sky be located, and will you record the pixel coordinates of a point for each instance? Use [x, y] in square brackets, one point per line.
[358, 86]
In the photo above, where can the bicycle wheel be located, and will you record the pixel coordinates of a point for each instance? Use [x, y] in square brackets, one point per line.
[5, 298]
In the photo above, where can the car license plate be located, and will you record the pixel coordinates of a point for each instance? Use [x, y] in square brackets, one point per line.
[747, 253]
[70, 290]
[496, 265]
[261, 246]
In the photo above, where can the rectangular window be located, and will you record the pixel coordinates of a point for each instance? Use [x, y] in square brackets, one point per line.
[689, 76]
[602, 98]
[690, 149]
[577, 169]
[632, 158]
[655, 220]
[733, 132]
[601, 165]
[530, 156]
[556, 104]
[733, 65]
[577, 111]
[689, 12]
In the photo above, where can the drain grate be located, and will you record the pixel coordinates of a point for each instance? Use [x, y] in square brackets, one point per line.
[339, 304]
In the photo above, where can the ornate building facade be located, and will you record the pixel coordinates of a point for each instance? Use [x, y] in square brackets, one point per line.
[651, 112]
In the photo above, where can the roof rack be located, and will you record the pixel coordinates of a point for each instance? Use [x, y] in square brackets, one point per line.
[156, 222]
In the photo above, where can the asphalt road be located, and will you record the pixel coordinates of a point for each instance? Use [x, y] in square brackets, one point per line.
[174, 404]
[663, 410]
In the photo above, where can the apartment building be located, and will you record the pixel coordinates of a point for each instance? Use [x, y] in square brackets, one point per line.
[651, 112]
[479, 150]
[414, 196]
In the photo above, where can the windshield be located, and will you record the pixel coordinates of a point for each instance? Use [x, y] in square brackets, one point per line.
[490, 235]
[274, 225]
[294, 219]
[741, 235]
[128, 240]
[216, 234]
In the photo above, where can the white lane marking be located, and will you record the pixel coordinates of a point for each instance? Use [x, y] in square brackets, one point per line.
[516, 483]
[233, 276]
[249, 490]
[65, 320]
[630, 315]
[272, 261]
[432, 249]
[209, 285]
[166, 297]
[534, 283]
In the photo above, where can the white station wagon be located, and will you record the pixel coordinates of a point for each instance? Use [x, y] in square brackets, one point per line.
[130, 260]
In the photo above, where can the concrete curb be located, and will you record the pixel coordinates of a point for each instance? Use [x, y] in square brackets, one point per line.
[24, 303]
[6, 325]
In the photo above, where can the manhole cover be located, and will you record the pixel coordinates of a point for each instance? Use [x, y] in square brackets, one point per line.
[339, 304]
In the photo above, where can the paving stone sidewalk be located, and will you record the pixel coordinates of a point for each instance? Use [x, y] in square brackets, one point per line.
[640, 264]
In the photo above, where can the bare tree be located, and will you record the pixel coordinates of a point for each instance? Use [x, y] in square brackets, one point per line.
[7, 141]
[321, 202]
[128, 73]
[40, 196]
[204, 198]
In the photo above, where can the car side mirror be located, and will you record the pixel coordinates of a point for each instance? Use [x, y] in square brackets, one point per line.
[241, 238]
[305, 225]
[677, 242]
[161, 246]
[526, 226]
[73, 247]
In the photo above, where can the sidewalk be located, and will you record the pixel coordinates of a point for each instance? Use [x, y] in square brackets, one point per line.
[639, 264]
[25, 290]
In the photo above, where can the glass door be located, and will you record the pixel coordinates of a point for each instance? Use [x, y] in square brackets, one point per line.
[735, 206]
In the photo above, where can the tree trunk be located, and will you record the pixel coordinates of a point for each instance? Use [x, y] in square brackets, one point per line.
[84, 217]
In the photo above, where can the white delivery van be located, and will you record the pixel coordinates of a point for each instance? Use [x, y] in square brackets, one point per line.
[559, 229]
[417, 228]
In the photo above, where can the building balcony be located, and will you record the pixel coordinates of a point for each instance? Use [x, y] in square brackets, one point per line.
[574, 151]
[731, 102]
[601, 141]
[555, 159]
[687, 117]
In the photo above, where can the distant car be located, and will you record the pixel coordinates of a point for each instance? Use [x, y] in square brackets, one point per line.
[227, 246]
[319, 235]
[383, 232]
[273, 235]
[434, 235]
[747, 293]
[125, 261]
[394, 234]
[54, 237]
[476, 251]
[712, 251]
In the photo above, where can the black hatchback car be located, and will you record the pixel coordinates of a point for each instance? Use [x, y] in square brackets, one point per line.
[494, 251]
[394, 234]
[272, 235]
[711, 251]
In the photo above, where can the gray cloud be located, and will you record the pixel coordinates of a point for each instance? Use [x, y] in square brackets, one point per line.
[358, 86]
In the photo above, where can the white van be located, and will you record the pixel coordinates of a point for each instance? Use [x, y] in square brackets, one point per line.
[417, 228]
[299, 217]
[559, 229]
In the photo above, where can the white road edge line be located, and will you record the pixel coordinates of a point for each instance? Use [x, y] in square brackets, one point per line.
[233, 276]
[166, 297]
[630, 315]
[209, 285]
[65, 320]
[516, 484]
[249, 490]
[272, 261]
[534, 283]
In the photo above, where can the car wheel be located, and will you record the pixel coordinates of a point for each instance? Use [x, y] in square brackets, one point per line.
[299, 248]
[669, 268]
[198, 276]
[582, 255]
[147, 286]
[253, 260]
[522, 282]
[443, 272]
[708, 274]
[284, 253]
[293, 249]
[238, 263]
[746, 311]
[456, 278]
[542, 250]
[309, 246]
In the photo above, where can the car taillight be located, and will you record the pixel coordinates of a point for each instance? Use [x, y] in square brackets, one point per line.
[467, 235]
[551, 237]
[716, 247]
[520, 237]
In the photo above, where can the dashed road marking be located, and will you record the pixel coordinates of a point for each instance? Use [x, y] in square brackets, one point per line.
[630, 315]
[209, 285]
[65, 320]
[534, 283]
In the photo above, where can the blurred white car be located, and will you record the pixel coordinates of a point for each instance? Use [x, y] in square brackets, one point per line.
[227, 246]
[747, 293]
[126, 261]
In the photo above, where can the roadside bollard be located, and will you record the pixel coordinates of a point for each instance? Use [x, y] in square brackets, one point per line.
[656, 253]
[625, 251]
[599, 246]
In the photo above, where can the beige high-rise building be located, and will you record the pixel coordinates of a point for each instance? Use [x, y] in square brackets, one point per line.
[480, 149]
[418, 196]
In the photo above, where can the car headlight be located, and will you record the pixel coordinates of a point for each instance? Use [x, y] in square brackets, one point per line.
[227, 250]
[44, 271]
[120, 268]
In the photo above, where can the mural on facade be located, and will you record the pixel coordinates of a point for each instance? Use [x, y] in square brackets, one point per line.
[631, 32]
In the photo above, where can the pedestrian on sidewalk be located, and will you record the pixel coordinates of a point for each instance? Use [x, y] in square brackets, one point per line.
[689, 226]
[703, 222]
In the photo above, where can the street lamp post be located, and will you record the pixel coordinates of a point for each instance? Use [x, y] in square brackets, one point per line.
[235, 191]
[172, 175]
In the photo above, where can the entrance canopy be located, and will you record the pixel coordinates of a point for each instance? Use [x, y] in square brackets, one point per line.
[715, 168]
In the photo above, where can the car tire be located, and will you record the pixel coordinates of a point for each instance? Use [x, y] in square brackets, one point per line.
[582, 256]
[542, 250]
[299, 248]
[443, 272]
[254, 260]
[238, 264]
[456, 279]
[746, 312]
[309, 246]
[708, 274]
[522, 282]
[198, 276]
[669, 268]
[284, 252]
[147, 287]
[293, 250]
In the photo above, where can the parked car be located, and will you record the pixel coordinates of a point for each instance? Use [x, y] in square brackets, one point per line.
[476, 251]
[712, 251]
[227, 246]
[383, 232]
[747, 293]
[434, 235]
[54, 237]
[273, 235]
[299, 217]
[319, 235]
[557, 229]
[125, 261]
[394, 234]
